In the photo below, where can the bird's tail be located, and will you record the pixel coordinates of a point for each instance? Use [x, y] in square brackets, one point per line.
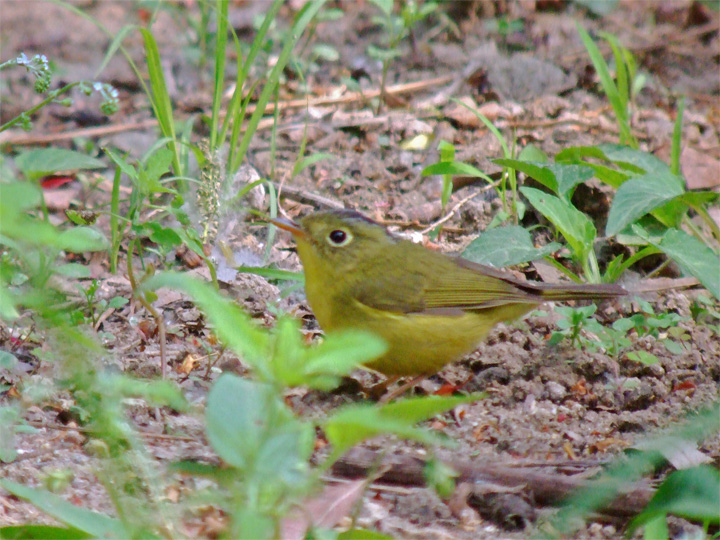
[579, 291]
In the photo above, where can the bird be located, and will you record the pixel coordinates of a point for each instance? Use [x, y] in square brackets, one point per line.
[430, 308]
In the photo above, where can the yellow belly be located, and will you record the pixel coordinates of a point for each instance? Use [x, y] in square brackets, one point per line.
[420, 344]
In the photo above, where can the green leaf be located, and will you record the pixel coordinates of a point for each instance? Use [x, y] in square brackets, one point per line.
[339, 354]
[82, 239]
[92, 523]
[159, 98]
[251, 429]
[7, 360]
[633, 160]
[356, 423]
[164, 236]
[158, 164]
[273, 273]
[17, 197]
[561, 178]
[231, 324]
[312, 159]
[117, 302]
[506, 246]
[8, 312]
[440, 477]
[693, 256]
[532, 153]
[454, 168]
[74, 270]
[43, 161]
[575, 226]
[643, 357]
[656, 528]
[690, 493]
[640, 196]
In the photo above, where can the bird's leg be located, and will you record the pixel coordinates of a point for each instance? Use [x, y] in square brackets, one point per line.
[376, 391]
[400, 390]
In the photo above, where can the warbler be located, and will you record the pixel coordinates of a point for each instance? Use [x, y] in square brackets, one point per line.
[430, 308]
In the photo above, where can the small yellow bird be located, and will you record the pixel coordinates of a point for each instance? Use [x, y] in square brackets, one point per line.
[430, 308]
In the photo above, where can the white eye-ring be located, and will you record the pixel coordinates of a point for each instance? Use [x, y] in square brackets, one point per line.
[339, 238]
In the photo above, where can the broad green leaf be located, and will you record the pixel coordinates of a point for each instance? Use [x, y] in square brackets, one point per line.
[8, 312]
[643, 357]
[634, 160]
[690, 493]
[38, 163]
[561, 178]
[506, 246]
[7, 360]
[74, 270]
[158, 164]
[123, 165]
[230, 323]
[693, 256]
[656, 528]
[536, 170]
[163, 236]
[82, 239]
[9, 418]
[533, 154]
[93, 523]
[639, 196]
[339, 354]
[251, 429]
[117, 302]
[699, 198]
[356, 423]
[17, 197]
[575, 226]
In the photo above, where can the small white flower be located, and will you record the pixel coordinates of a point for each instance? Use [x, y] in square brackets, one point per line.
[97, 87]
[22, 59]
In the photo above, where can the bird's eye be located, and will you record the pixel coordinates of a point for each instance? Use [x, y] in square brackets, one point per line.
[339, 238]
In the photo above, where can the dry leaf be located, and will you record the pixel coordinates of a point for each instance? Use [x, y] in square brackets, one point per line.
[326, 510]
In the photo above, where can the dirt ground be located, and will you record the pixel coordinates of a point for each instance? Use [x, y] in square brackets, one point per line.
[548, 406]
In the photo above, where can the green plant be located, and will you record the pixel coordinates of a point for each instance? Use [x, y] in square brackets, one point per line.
[267, 446]
[512, 207]
[397, 28]
[573, 322]
[692, 493]
[622, 91]
[96, 307]
[39, 67]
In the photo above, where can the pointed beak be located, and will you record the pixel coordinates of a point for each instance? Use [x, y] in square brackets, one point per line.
[289, 226]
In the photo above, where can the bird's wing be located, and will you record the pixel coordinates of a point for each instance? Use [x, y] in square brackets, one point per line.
[441, 285]
[467, 285]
